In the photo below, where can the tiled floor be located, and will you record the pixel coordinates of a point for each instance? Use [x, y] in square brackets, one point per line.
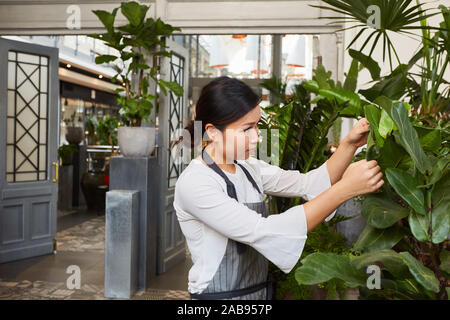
[80, 242]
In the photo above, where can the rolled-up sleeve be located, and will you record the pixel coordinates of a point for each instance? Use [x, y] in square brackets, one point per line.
[280, 238]
[292, 183]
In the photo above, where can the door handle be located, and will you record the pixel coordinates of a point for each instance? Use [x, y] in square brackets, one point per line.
[56, 171]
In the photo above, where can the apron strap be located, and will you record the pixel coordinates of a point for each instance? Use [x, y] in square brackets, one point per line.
[230, 186]
[249, 176]
[231, 190]
[230, 294]
[269, 285]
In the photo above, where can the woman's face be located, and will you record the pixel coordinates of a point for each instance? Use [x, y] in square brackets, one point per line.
[239, 139]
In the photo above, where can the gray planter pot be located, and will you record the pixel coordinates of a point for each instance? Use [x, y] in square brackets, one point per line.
[352, 228]
[136, 141]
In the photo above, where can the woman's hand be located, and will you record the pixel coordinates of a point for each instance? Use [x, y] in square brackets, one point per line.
[361, 177]
[357, 137]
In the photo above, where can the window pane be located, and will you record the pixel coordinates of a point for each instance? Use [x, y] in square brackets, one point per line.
[24, 129]
[244, 56]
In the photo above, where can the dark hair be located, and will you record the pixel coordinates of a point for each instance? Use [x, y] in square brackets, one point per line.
[221, 102]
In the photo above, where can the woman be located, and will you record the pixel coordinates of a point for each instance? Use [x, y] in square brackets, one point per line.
[219, 197]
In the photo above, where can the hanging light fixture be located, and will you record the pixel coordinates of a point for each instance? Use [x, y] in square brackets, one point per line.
[239, 36]
[217, 56]
[252, 48]
[296, 57]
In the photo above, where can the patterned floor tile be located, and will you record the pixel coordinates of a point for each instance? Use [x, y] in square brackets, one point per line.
[88, 236]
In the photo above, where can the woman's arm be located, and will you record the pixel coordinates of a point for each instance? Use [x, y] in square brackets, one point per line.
[360, 177]
[340, 160]
[343, 155]
[291, 183]
[319, 208]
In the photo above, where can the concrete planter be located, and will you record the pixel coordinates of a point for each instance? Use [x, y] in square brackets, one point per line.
[136, 141]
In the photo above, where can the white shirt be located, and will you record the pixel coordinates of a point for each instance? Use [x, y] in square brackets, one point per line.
[208, 217]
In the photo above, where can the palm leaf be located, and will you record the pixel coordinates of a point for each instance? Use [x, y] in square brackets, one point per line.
[398, 16]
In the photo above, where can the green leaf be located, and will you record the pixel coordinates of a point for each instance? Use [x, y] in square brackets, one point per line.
[321, 267]
[134, 12]
[411, 286]
[386, 124]
[380, 212]
[390, 259]
[322, 77]
[105, 58]
[162, 53]
[409, 138]
[372, 239]
[175, 87]
[392, 87]
[372, 114]
[406, 186]
[373, 152]
[342, 96]
[422, 274]
[311, 85]
[163, 89]
[384, 102]
[351, 79]
[440, 168]
[431, 141]
[106, 18]
[419, 225]
[367, 62]
[445, 261]
[391, 154]
[440, 222]
[441, 189]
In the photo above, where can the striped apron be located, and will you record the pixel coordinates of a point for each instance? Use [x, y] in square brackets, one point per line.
[243, 271]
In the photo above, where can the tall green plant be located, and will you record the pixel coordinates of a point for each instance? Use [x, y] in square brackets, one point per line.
[407, 225]
[135, 43]
[302, 129]
[408, 219]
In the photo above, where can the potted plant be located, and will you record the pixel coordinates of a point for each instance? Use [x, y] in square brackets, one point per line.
[107, 131]
[74, 135]
[408, 221]
[136, 43]
[65, 153]
[99, 132]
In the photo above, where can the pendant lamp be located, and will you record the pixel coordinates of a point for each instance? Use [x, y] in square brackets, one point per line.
[296, 57]
[218, 57]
